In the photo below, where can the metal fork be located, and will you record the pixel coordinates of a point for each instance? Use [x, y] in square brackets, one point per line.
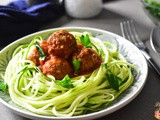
[129, 32]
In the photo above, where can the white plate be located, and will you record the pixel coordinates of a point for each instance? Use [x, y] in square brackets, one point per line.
[126, 48]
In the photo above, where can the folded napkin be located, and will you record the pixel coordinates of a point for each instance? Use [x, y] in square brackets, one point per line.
[18, 18]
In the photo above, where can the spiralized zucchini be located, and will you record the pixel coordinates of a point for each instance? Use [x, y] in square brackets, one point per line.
[38, 93]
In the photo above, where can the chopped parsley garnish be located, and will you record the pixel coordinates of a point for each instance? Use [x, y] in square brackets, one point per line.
[85, 40]
[105, 65]
[3, 86]
[41, 53]
[114, 81]
[153, 7]
[76, 64]
[66, 82]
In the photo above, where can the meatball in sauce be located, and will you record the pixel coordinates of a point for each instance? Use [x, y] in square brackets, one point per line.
[44, 46]
[33, 56]
[61, 44]
[56, 66]
[90, 60]
[61, 49]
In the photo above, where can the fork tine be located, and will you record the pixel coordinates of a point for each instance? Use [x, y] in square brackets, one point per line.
[129, 32]
[135, 35]
[123, 29]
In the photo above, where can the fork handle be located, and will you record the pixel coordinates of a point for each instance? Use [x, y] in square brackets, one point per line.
[151, 62]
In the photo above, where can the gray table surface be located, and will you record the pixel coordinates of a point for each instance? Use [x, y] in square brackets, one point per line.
[143, 106]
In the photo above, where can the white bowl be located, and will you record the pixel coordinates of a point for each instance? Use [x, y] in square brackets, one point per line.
[126, 48]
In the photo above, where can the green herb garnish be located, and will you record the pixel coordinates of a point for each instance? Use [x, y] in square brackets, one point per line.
[153, 7]
[114, 81]
[65, 82]
[41, 53]
[76, 64]
[85, 40]
[3, 86]
[105, 65]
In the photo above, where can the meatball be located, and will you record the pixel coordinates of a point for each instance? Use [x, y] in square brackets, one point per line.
[61, 44]
[56, 66]
[78, 48]
[90, 60]
[44, 46]
[33, 56]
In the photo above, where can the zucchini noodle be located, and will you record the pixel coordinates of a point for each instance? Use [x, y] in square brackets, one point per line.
[39, 93]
